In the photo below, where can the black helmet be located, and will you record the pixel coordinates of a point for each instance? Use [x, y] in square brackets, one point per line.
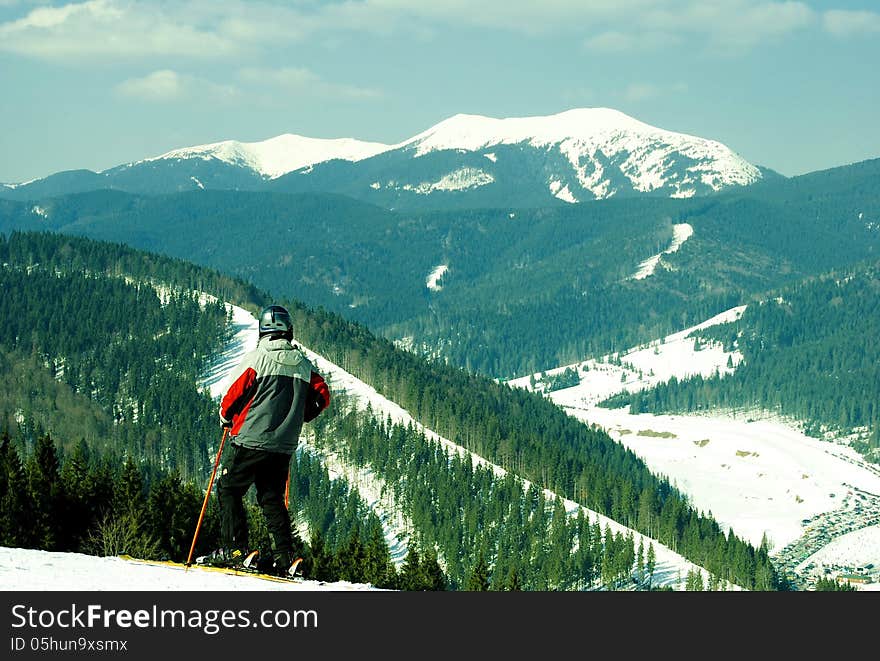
[275, 320]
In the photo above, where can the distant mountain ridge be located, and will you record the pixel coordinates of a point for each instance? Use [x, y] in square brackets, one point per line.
[464, 161]
[279, 155]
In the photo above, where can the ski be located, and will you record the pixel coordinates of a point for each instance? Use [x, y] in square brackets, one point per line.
[229, 571]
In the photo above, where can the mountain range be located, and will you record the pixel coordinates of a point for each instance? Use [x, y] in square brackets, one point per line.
[464, 161]
[506, 247]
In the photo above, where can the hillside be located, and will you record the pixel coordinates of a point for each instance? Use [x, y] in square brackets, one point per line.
[670, 566]
[505, 516]
[503, 269]
[807, 352]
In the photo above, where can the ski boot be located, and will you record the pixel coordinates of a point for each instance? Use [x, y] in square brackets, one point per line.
[229, 558]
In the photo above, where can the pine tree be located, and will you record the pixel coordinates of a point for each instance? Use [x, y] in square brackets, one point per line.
[408, 578]
[510, 582]
[650, 563]
[478, 580]
[351, 559]
[76, 518]
[128, 495]
[319, 559]
[172, 510]
[44, 486]
[640, 560]
[432, 577]
[378, 569]
[15, 503]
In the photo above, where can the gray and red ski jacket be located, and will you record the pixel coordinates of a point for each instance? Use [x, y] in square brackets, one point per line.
[277, 389]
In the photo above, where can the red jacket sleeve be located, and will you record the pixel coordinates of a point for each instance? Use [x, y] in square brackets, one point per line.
[317, 398]
[237, 398]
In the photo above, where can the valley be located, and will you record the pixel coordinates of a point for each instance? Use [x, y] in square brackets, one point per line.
[757, 473]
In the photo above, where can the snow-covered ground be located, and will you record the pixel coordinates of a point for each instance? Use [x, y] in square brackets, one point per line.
[757, 474]
[30, 569]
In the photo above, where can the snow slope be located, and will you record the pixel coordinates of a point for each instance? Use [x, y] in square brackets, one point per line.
[756, 474]
[30, 569]
[680, 233]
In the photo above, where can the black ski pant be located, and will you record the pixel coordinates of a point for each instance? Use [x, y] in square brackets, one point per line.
[268, 471]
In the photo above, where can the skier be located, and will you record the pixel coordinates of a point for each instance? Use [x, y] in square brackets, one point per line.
[276, 390]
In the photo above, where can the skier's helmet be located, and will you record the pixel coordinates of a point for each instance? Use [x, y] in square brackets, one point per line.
[275, 321]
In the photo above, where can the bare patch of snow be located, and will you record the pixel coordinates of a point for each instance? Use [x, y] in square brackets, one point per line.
[562, 192]
[681, 232]
[434, 277]
[461, 179]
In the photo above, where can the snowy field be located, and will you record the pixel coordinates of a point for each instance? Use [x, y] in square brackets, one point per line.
[755, 474]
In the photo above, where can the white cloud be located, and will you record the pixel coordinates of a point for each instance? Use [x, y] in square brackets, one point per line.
[849, 23]
[210, 29]
[166, 85]
[105, 28]
[643, 91]
[614, 41]
[729, 25]
[252, 83]
[301, 80]
[607, 25]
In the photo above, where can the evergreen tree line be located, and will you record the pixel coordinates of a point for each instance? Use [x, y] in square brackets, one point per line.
[77, 254]
[93, 502]
[113, 341]
[99, 503]
[809, 353]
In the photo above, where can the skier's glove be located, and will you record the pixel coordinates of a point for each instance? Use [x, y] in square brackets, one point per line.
[314, 405]
[224, 423]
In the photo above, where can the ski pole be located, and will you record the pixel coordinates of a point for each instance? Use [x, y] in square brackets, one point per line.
[207, 495]
[287, 490]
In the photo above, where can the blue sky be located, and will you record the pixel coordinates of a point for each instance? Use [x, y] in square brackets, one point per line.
[791, 85]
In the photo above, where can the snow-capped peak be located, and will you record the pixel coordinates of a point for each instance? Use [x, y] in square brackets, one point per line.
[590, 138]
[281, 154]
[472, 132]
